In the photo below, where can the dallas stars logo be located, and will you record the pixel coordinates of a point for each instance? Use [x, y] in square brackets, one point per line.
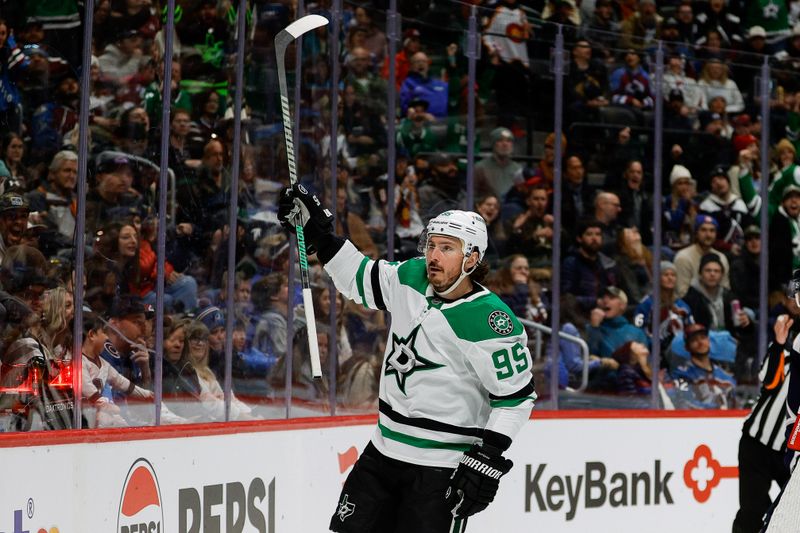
[501, 322]
[404, 360]
[345, 509]
[771, 10]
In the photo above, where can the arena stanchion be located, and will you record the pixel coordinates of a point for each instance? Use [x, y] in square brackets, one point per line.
[80, 217]
[166, 103]
[558, 71]
[763, 262]
[392, 34]
[658, 141]
[282, 41]
[234, 204]
[472, 51]
[333, 346]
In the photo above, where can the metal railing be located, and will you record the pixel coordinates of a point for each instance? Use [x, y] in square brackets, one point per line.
[540, 329]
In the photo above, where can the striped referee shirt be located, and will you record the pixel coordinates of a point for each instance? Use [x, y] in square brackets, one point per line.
[767, 422]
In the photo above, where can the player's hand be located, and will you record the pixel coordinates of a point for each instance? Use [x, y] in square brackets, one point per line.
[475, 481]
[299, 207]
[782, 326]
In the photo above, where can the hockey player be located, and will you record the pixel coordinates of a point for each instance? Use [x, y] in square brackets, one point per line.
[456, 384]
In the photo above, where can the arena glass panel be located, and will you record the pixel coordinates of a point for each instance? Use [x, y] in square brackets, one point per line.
[608, 140]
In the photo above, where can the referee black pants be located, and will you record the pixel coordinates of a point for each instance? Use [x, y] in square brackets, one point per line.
[759, 466]
[384, 495]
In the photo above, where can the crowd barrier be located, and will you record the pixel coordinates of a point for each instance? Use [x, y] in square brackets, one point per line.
[574, 471]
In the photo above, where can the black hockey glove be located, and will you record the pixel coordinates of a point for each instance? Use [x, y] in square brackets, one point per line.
[298, 206]
[476, 480]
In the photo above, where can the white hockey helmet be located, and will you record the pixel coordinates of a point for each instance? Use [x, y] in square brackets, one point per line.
[467, 226]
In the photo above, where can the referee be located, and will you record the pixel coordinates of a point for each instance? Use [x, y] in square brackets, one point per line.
[763, 444]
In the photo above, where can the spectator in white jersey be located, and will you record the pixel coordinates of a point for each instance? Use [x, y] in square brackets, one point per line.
[456, 384]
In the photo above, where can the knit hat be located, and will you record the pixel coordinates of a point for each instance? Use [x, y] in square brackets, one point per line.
[718, 170]
[740, 142]
[501, 133]
[710, 258]
[679, 172]
[667, 265]
[211, 317]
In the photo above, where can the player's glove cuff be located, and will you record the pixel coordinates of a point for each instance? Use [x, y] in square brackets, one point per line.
[475, 481]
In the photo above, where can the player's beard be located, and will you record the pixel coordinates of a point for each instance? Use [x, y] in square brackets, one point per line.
[438, 281]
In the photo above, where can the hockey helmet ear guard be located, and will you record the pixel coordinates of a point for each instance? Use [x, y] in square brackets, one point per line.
[794, 286]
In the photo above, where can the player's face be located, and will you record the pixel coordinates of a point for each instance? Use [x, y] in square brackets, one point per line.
[443, 257]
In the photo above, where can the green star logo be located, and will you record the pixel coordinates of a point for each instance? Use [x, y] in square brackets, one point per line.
[404, 360]
[500, 322]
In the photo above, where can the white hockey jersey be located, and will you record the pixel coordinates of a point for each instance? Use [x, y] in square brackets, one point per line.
[451, 369]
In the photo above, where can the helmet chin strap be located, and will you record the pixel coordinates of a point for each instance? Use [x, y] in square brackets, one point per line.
[458, 281]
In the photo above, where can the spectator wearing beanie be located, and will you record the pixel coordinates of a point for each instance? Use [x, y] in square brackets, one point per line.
[744, 174]
[728, 210]
[675, 313]
[679, 208]
[687, 261]
[213, 318]
[496, 174]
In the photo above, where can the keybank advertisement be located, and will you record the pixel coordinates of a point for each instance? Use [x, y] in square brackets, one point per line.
[609, 475]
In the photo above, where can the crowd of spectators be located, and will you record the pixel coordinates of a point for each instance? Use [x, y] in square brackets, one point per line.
[709, 207]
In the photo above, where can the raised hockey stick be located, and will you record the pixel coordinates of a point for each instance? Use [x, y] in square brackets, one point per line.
[282, 41]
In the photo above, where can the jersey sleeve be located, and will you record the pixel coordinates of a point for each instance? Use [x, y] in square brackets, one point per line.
[361, 279]
[504, 364]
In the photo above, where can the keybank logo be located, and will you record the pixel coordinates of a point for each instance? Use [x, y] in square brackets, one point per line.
[140, 506]
[596, 487]
[702, 473]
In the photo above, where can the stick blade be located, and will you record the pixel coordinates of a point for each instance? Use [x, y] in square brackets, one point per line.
[305, 24]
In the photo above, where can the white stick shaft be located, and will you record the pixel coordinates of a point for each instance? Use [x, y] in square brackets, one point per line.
[311, 325]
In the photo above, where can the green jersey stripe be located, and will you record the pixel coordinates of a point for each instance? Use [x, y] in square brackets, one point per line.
[360, 280]
[511, 403]
[421, 443]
